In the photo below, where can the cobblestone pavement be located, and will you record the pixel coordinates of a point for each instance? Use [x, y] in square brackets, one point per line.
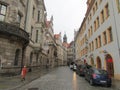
[14, 82]
[63, 78]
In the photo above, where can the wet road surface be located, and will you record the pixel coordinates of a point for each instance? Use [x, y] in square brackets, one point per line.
[62, 78]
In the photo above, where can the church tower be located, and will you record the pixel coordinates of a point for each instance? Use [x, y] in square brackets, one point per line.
[65, 39]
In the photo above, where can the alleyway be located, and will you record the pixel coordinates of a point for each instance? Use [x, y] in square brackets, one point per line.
[62, 78]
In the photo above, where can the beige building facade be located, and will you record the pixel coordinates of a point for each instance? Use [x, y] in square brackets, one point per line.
[61, 51]
[22, 34]
[13, 35]
[98, 36]
[50, 44]
[70, 53]
[35, 26]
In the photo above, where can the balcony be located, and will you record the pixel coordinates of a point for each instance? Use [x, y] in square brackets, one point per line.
[14, 31]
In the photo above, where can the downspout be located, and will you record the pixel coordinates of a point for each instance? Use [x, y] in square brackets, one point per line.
[25, 45]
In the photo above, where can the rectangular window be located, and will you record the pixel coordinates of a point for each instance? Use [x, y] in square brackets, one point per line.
[94, 25]
[102, 16]
[91, 31]
[31, 31]
[3, 9]
[99, 40]
[36, 36]
[97, 22]
[96, 6]
[92, 45]
[90, 17]
[93, 10]
[96, 42]
[33, 12]
[106, 11]
[38, 18]
[105, 37]
[110, 37]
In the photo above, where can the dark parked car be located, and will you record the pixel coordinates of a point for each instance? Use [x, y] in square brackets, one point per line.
[81, 69]
[98, 76]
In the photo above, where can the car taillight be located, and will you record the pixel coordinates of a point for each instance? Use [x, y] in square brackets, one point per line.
[94, 75]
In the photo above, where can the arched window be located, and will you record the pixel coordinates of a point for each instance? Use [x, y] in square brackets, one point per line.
[17, 53]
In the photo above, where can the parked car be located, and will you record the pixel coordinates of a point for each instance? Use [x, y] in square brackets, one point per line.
[98, 76]
[74, 67]
[71, 66]
[81, 69]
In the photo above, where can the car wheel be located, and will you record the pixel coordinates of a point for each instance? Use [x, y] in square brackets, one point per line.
[91, 82]
[108, 85]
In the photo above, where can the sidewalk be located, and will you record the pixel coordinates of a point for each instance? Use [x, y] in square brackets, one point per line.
[14, 82]
[116, 84]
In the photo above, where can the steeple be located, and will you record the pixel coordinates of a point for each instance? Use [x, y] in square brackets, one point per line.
[65, 39]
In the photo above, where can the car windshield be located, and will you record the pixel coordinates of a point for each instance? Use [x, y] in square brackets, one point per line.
[101, 72]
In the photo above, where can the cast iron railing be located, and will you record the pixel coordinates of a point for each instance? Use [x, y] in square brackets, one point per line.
[12, 30]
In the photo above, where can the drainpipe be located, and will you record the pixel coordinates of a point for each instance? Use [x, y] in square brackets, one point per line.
[23, 52]
[25, 45]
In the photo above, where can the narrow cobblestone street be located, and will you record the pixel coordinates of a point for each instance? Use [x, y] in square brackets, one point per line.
[62, 78]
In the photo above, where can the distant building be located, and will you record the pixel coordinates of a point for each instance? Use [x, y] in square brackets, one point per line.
[65, 45]
[50, 41]
[70, 53]
[60, 49]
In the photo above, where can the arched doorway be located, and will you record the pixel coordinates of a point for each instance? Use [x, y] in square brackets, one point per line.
[92, 62]
[98, 62]
[17, 53]
[109, 65]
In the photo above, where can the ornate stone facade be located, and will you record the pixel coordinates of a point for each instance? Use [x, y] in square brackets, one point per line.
[13, 37]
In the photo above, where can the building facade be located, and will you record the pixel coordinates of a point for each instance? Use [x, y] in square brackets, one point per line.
[13, 35]
[51, 44]
[65, 45]
[35, 54]
[98, 36]
[70, 53]
[22, 34]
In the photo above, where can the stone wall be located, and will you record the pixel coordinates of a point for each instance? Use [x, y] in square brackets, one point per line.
[8, 49]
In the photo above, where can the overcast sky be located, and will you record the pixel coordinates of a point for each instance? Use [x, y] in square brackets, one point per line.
[67, 15]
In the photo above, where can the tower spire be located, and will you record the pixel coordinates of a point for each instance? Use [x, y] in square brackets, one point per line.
[65, 38]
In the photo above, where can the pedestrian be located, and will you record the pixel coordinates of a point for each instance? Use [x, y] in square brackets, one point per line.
[23, 73]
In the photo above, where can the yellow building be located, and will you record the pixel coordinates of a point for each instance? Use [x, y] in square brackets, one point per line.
[97, 41]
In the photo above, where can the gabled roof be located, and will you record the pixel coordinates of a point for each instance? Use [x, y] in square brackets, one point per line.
[57, 36]
[66, 44]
